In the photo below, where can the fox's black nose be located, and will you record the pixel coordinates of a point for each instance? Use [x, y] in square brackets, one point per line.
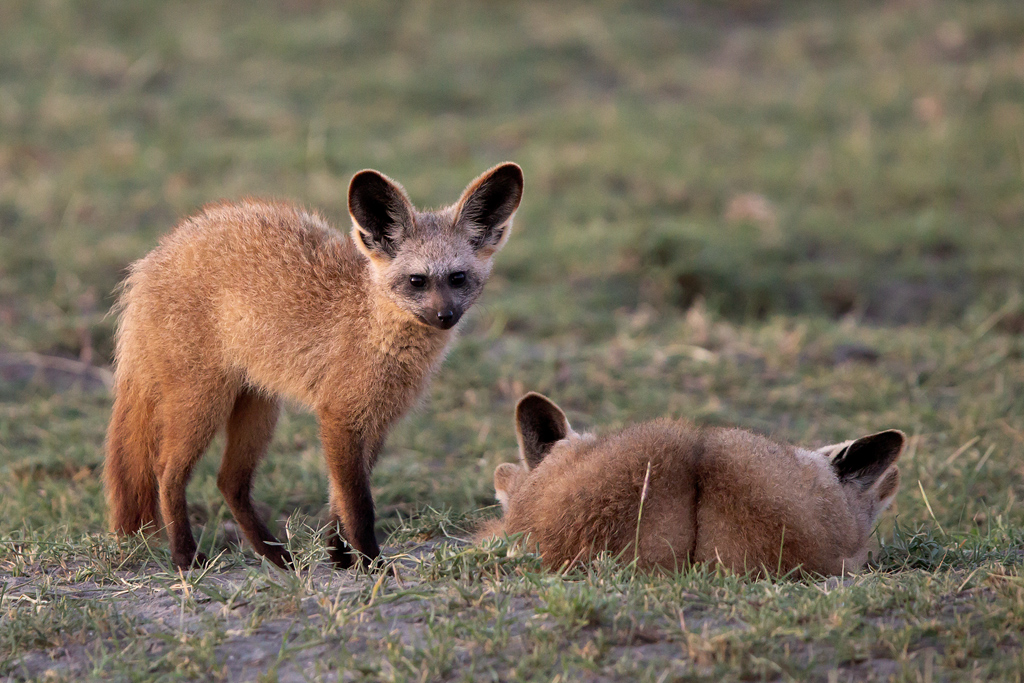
[446, 317]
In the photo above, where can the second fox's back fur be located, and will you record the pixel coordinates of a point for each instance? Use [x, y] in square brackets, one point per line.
[708, 495]
[251, 301]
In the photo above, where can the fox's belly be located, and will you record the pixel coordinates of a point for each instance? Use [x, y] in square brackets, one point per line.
[368, 390]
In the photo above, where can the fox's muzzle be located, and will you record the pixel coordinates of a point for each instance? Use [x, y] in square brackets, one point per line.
[444, 319]
[441, 310]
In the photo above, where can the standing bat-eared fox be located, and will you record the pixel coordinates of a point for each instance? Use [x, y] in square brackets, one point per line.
[667, 494]
[249, 302]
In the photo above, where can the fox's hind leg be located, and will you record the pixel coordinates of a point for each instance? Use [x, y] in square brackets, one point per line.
[189, 423]
[250, 429]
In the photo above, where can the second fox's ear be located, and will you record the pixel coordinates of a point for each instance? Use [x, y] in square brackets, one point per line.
[540, 424]
[380, 212]
[486, 208]
[867, 458]
[506, 481]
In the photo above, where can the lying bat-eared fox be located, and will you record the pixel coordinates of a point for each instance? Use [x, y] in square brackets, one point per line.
[249, 302]
[667, 494]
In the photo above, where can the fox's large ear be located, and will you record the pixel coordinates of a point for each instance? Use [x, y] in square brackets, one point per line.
[506, 480]
[540, 424]
[486, 207]
[380, 211]
[866, 459]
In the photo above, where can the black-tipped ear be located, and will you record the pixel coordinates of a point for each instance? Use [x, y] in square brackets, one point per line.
[380, 209]
[867, 458]
[540, 424]
[486, 208]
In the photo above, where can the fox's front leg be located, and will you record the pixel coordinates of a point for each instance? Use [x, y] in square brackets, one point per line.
[348, 466]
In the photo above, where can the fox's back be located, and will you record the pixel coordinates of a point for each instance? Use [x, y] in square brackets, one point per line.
[709, 495]
[264, 292]
[668, 494]
[272, 253]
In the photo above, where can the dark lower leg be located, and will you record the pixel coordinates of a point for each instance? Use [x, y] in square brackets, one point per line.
[174, 508]
[352, 511]
[187, 433]
[352, 528]
[250, 429]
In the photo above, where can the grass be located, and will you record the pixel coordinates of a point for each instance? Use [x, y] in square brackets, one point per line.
[800, 218]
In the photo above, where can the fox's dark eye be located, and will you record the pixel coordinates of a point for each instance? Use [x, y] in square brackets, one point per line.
[457, 279]
[418, 281]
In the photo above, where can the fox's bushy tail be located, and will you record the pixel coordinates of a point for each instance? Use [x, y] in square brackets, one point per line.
[128, 474]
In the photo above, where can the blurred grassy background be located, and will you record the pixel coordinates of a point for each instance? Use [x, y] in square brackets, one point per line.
[805, 218]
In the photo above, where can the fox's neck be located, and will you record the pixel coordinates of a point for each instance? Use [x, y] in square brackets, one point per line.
[394, 331]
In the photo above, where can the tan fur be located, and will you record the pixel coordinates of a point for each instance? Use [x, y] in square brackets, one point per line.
[711, 495]
[251, 301]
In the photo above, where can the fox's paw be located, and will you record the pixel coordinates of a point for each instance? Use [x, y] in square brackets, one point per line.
[346, 557]
[341, 555]
[281, 557]
[183, 561]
